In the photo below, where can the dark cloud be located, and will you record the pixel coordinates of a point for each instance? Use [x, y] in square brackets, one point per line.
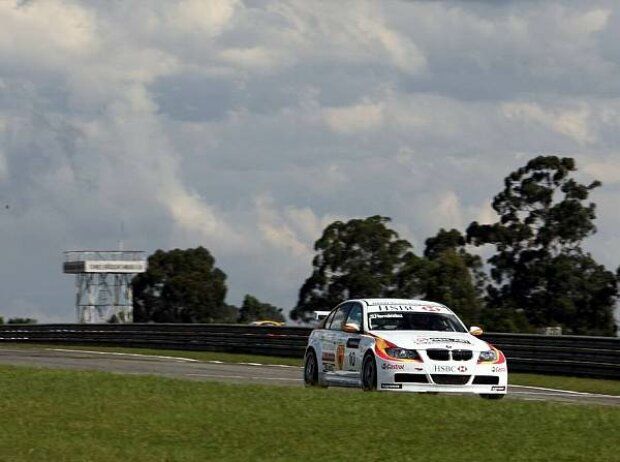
[248, 126]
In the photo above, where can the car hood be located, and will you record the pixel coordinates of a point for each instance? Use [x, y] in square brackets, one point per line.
[424, 340]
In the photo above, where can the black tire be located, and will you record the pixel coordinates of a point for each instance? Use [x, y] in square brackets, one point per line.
[369, 373]
[311, 369]
[493, 396]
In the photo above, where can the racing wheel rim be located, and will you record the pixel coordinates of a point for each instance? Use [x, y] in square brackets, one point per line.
[310, 369]
[370, 374]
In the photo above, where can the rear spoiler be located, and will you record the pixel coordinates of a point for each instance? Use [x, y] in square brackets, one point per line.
[320, 315]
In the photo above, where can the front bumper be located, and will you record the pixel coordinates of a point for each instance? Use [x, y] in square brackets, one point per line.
[442, 377]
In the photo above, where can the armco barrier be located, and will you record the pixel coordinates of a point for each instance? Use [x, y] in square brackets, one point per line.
[566, 355]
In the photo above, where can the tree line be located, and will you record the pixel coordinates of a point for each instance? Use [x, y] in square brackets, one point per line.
[18, 321]
[537, 274]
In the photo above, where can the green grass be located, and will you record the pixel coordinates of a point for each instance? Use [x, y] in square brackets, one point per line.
[50, 415]
[199, 355]
[602, 386]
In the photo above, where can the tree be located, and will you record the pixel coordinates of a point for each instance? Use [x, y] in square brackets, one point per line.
[181, 286]
[254, 310]
[542, 222]
[453, 276]
[359, 258]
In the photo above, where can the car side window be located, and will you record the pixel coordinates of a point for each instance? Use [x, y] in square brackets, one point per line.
[328, 320]
[355, 316]
[339, 317]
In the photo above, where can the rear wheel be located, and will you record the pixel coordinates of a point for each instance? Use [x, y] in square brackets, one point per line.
[369, 373]
[311, 369]
[493, 396]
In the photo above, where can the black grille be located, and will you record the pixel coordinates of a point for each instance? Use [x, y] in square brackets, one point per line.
[486, 380]
[444, 355]
[450, 379]
[461, 355]
[410, 378]
[438, 355]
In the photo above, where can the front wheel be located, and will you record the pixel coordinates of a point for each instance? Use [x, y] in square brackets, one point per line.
[493, 396]
[311, 369]
[369, 373]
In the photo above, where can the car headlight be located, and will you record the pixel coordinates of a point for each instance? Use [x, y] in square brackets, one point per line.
[489, 355]
[402, 353]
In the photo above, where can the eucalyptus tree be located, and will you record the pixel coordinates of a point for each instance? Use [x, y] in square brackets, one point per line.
[182, 286]
[357, 259]
[539, 268]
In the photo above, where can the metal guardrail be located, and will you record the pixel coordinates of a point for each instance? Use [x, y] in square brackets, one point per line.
[565, 355]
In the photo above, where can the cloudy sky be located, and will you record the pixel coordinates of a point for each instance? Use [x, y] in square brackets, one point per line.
[248, 126]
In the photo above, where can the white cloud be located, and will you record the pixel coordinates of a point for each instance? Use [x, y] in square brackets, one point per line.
[210, 18]
[448, 211]
[46, 33]
[282, 230]
[247, 127]
[4, 169]
[606, 170]
[259, 59]
[405, 55]
[574, 123]
[193, 214]
[354, 119]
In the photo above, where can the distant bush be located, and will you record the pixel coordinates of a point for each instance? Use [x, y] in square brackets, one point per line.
[21, 321]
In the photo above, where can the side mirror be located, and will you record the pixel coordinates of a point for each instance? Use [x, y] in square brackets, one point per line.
[351, 328]
[475, 330]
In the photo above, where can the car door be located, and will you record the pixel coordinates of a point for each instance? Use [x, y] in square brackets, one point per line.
[332, 341]
[352, 340]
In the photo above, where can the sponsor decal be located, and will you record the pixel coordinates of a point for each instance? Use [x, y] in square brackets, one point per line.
[498, 369]
[352, 358]
[449, 369]
[353, 343]
[340, 356]
[384, 315]
[431, 308]
[329, 357]
[397, 308]
[428, 340]
[498, 388]
[392, 366]
[391, 386]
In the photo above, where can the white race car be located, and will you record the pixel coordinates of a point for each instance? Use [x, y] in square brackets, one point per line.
[402, 345]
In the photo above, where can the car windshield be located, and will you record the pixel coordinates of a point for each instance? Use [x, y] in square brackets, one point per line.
[439, 322]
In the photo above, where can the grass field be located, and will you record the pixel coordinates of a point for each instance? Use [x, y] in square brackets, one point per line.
[52, 415]
[607, 387]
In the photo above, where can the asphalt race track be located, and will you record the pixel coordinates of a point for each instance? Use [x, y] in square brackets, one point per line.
[227, 372]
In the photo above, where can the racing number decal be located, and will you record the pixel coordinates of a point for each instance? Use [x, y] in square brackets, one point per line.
[340, 356]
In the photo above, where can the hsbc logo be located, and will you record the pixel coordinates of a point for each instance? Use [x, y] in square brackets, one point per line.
[431, 308]
[450, 369]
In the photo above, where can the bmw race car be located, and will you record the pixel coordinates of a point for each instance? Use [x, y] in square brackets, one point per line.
[402, 345]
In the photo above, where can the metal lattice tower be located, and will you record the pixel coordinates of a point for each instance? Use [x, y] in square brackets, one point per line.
[103, 283]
